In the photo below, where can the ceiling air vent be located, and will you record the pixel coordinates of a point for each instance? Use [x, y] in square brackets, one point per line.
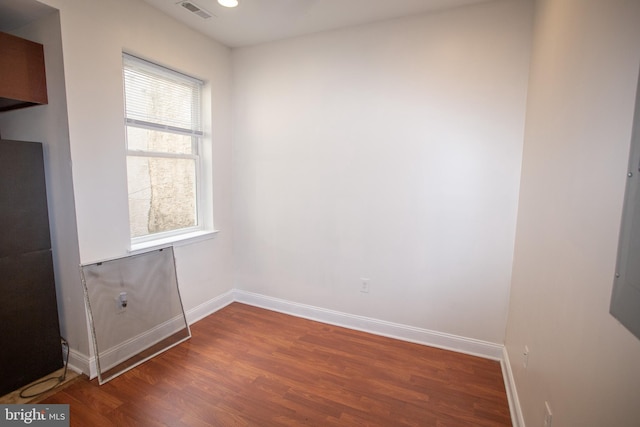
[194, 8]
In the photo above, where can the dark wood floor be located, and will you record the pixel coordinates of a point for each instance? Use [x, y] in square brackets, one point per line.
[246, 366]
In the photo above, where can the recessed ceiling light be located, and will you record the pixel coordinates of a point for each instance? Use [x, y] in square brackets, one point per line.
[228, 3]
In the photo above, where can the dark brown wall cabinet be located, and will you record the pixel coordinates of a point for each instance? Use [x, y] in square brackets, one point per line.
[22, 73]
[29, 333]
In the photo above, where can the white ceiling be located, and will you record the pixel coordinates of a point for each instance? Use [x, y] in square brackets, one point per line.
[259, 21]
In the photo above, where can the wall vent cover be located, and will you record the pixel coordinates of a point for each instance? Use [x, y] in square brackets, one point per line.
[194, 8]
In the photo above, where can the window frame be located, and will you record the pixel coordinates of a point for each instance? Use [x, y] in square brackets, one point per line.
[203, 227]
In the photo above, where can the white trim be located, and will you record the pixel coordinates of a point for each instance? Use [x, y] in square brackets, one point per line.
[82, 363]
[445, 341]
[173, 240]
[517, 418]
[209, 307]
[138, 62]
[161, 155]
[125, 350]
[142, 124]
[365, 324]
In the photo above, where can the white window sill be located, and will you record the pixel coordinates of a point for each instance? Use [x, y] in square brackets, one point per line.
[181, 240]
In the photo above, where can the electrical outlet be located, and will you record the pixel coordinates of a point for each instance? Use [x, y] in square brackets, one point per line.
[548, 415]
[364, 285]
[121, 302]
[118, 305]
[525, 357]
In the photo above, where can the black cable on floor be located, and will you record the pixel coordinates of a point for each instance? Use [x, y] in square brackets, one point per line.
[58, 380]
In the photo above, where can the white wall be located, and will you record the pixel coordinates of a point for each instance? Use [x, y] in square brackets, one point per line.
[48, 124]
[391, 152]
[94, 34]
[584, 74]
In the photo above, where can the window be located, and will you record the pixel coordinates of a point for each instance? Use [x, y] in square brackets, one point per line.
[164, 137]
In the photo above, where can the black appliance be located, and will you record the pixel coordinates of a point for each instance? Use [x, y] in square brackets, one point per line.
[30, 345]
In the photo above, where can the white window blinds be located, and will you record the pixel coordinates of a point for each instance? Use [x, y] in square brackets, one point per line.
[172, 106]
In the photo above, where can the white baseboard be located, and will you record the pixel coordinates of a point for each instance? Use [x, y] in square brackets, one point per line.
[125, 350]
[82, 363]
[209, 307]
[378, 327]
[455, 343]
[512, 393]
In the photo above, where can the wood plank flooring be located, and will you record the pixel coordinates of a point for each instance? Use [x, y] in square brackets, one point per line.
[246, 366]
